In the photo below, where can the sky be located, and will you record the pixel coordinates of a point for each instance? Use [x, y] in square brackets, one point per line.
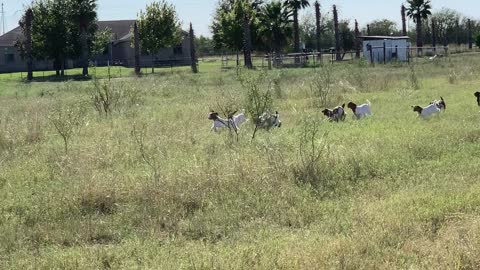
[199, 12]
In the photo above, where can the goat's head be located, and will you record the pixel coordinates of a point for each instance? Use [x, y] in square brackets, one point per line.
[352, 106]
[417, 109]
[477, 94]
[442, 104]
[213, 116]
[327, 112]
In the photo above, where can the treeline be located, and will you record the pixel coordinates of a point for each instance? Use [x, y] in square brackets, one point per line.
[61, 30]
[272, 27]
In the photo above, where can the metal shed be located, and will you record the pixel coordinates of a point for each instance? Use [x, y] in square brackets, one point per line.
[381, 49]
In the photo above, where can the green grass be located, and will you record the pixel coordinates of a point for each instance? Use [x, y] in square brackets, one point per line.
[389, 192]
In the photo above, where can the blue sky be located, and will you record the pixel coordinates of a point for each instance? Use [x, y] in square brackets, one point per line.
[199, 12]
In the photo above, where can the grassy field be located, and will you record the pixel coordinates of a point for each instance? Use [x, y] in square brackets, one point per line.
[148, 186]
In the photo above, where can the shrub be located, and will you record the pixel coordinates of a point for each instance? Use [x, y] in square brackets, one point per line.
[67, 119]
[312, 151]
[108, 96]
[322, 86]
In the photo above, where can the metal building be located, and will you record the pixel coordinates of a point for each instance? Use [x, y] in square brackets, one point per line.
[384, 49]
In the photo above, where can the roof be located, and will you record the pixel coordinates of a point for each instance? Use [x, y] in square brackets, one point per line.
[383, 37]
[120, 29]
[10, 38]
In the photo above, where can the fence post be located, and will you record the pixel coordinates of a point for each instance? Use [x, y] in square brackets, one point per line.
[408, 54]
[369, 48]
[384, 53]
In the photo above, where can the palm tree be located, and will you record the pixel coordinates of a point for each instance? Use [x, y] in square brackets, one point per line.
[295, 6]
[419, 10]
[84, 14]
[404, 20]
[275, 26]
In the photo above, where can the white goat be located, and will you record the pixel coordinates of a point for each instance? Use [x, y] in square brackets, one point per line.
[234, 122]
[428, 111]
[361, 111]
[268, 121]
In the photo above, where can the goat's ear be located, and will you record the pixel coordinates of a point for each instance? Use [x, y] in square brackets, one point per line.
[442, 98]
[343, 106]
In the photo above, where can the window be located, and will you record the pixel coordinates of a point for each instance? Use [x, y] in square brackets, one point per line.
[9, 58]
[178, 50]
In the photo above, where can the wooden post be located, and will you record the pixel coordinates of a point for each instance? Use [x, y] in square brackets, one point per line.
[370, 49]
[136, 44]
[193, 54]
[384, 53]
[408, 54]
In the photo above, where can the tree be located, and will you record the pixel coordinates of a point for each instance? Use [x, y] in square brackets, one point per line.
[52, 34]
[25, 45]
[56, 30]
[83, 13]
[419, 10]
[275, 26]
[338, 46]
[230, 21]
[295, 6]
[158, 27]
[383, 27]
[347, 36]
[404, 20]
[101, 40]
[204, 46]
[357, 40]
[308, 31]
[318, 26]
[136, 45]
[193, 54]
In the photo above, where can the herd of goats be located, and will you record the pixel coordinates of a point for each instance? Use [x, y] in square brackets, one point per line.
[272, 120]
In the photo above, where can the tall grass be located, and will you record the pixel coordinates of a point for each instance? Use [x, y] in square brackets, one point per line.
[150, 186]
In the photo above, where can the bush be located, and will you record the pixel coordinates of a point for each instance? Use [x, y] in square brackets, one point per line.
[322, 86]
[67, 119]
[108, 96]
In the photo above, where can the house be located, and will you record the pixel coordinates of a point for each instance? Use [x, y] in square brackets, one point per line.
[119, 51]
[385, 48]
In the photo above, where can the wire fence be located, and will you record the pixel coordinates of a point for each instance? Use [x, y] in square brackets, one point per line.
[225, 62]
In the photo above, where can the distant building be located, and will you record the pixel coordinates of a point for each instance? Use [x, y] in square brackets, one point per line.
[385, 48]
[119, 51]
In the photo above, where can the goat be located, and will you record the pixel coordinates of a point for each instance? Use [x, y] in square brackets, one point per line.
[440, 103]
[361, 111]
[477, 94]
[337, 114]
[428, 111]
[233, 121]
[268, 121]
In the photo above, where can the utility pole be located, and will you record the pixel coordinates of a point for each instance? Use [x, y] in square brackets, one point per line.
[3, 20]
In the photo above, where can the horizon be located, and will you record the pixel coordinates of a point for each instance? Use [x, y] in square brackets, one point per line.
[194, 11]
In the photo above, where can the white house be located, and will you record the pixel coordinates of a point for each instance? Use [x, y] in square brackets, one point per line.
[385, 48]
